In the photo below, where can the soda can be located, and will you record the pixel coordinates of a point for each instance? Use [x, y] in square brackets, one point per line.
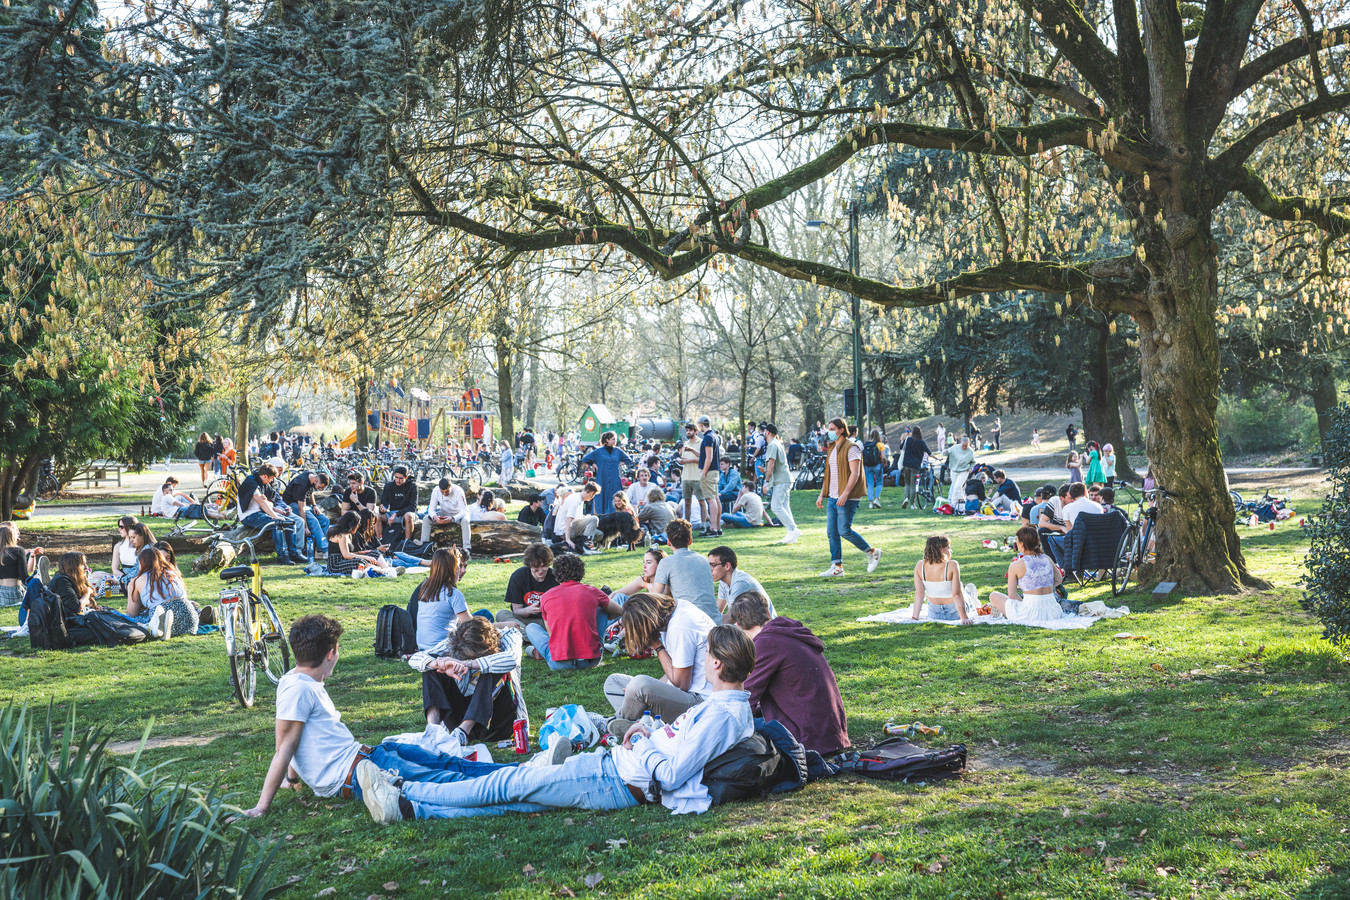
[609, 740]
[522, 733]
[502, 745]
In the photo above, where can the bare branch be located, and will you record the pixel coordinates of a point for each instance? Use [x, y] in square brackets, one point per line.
[1293, 209]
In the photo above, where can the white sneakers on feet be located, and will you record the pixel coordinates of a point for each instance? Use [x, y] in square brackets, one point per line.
[378, 793]
[833, 571]
[555, 755]
[160, 626]
[791, 537]
[873, 559]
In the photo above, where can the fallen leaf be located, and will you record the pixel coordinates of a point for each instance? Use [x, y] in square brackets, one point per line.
[877, 859]
[1237, 842]
[1156, 667]
[564, 892]
[616, 843]
[1084, 851]
[326, 892]
[294, 879]
[592, 879]
[390, 885]
[347, 870]
[527, 870]
[934, 867]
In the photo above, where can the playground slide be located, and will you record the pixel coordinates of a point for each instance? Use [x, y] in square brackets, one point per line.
[348, 440]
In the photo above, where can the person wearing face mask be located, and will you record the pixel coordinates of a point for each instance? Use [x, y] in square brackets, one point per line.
[843, 486]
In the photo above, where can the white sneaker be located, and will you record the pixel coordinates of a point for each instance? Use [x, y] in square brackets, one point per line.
[873, 559]
[557, 752]
[378, 793]
[789, 538]
[833, 571]
[160, 625]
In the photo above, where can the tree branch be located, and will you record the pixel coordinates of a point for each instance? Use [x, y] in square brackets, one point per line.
[1291, 50]
[1072, 35]
[1218, 54]
[1236, 156]
[1292, 209]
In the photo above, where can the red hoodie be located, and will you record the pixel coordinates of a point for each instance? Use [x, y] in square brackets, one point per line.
[794, 684]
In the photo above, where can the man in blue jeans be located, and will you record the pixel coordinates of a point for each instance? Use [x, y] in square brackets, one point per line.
[663, 766]
[843, 487]
[299, 496]
[315, 748]
[260, 506]
[577, 616]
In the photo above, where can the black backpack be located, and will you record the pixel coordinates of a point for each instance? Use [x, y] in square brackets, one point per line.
[896, 759]
[871, 456]
[109, 628]
[47, 621]
[395, 633]
[745, 771]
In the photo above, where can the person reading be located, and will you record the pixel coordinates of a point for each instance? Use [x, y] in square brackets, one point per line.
[792, 682]
[664, 766]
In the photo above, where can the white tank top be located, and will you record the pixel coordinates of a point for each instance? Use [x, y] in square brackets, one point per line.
[939, 590]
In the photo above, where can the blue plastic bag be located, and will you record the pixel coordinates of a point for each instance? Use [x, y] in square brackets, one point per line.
[572, 723]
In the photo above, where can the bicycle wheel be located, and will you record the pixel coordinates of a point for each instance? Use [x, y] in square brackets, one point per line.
[926, 491]
[1126, 560]
[431, 473]
[240, 648]
[48, 488]
[275, 652]
[1237, 500]
[221, 499]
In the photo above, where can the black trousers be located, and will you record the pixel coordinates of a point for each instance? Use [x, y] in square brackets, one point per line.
[492, 705]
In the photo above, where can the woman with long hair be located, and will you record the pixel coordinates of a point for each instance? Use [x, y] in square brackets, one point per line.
[343, 557]
[1032, 579]
[16, 565]
[482, 506]
[157, 597]
[439, 600]
[71, 584]
[203, 452]
[937, 580]
[840, 490]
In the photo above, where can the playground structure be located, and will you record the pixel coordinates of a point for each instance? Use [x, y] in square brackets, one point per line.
[460, 418]
[597, 419]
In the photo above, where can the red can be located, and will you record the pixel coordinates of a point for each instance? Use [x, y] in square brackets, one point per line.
[522, 732]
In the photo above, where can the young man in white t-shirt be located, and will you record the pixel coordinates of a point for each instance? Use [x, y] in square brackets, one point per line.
[574, 526]
[665, 765]
[316, 748]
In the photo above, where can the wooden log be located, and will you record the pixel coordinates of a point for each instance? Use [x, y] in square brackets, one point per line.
[217, 556]
[490, 538]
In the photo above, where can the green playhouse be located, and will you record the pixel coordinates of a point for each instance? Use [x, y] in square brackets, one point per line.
[595, 421]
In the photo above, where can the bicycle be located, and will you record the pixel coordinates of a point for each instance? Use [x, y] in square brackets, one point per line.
[48, 486]
[223, 495]
[925, 483]
[253, 634]
[1136, 544]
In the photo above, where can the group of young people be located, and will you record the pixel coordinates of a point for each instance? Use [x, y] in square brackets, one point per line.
[724, 654]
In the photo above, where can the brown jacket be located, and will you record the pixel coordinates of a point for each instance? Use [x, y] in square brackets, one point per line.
[843, 447]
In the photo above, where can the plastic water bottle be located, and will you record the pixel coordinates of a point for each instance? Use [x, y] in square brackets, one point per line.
[647, 721]
[657, 724]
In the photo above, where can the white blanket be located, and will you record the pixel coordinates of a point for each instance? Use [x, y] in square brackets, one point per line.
[902, 617]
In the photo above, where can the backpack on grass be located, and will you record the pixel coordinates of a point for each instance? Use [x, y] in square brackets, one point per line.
[770, 761]
[395, 633]
[47, 621]
[897, 759]
[109, 628]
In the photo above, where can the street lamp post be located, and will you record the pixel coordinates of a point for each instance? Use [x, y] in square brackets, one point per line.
[860, 411]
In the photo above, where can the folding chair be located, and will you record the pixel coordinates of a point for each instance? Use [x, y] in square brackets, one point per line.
[1092, 545]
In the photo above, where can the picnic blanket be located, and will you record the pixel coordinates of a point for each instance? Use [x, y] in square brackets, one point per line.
[1067, 623]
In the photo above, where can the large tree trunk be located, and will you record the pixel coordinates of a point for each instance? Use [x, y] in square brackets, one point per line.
[241, 431]
[362, 411]
[506, 409]
[12, 481]
[1197, 542]
[773, 384]
[1129, 418]
[532, 395]
[1324, 402]
[1101, 412]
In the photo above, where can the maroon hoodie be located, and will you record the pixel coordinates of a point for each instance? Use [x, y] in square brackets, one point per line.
[792, 683]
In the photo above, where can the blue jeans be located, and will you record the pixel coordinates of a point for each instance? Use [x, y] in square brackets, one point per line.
[414, 764]
[738, 520]
[584, 781]
[839, 524]
[407, 559]
[538, 636]
[944, 612]
[874, 474]
[283, 532]
[317, 523]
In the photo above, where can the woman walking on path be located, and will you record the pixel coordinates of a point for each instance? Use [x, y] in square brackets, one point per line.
[204, 452]
[609, 461]
[912, 452]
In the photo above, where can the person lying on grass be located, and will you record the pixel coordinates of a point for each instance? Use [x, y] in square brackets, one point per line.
[314, 747]
[664, 766]
[792, 682]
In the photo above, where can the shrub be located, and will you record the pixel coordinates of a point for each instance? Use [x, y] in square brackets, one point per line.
[1264, 423]
[1327, 584]
[74, 822]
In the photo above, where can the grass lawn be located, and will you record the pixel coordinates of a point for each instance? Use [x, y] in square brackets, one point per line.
[1207, 760]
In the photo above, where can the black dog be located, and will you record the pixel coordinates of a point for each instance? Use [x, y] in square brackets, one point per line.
[617, 528]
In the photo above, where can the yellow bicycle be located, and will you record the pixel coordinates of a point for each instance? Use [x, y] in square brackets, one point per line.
[254, 638]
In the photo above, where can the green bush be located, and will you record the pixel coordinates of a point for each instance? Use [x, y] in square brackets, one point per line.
[1265, 423]
[75, 823]
[1327, 584]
